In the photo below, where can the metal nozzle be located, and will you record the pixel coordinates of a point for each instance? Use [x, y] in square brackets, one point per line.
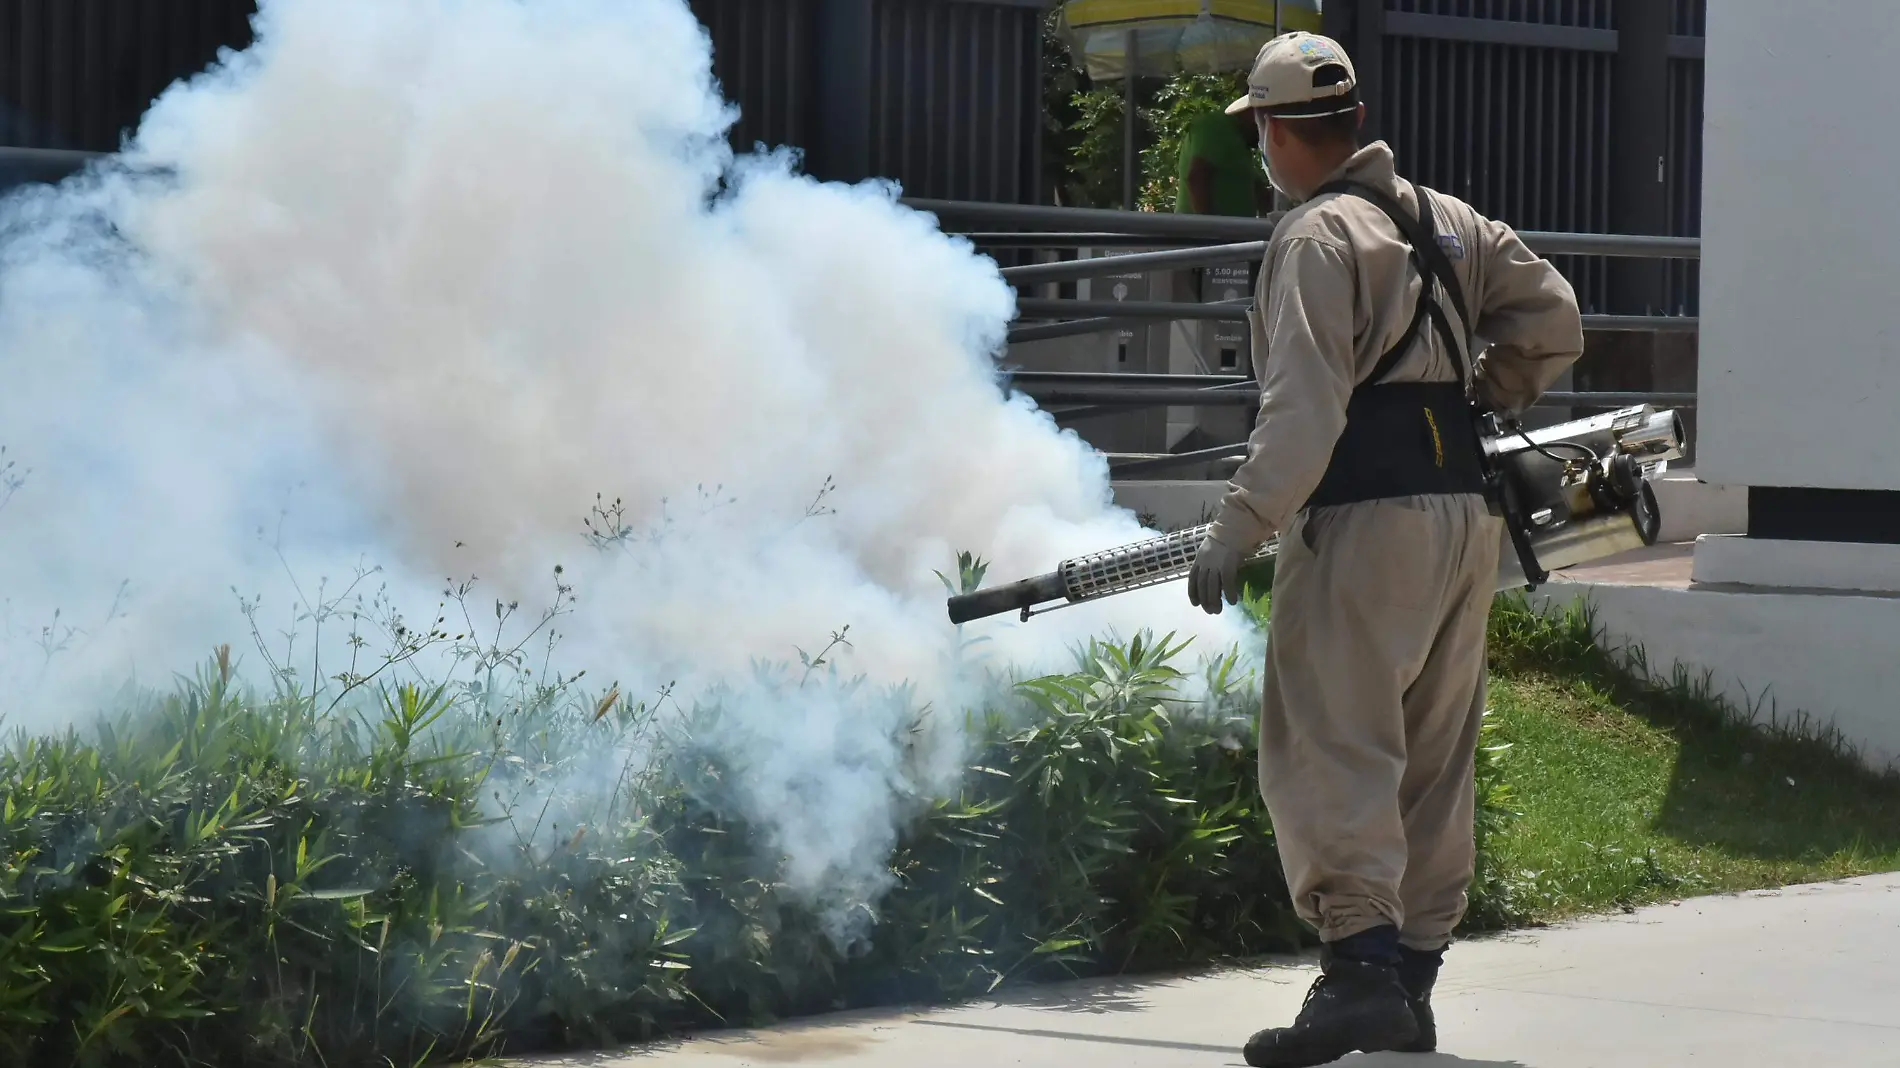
[1658, 437]
[1017, 596]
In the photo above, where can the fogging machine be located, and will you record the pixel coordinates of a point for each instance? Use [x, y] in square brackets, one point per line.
[1569, 494]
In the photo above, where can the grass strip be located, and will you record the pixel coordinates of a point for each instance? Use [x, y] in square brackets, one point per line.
[1633, 788]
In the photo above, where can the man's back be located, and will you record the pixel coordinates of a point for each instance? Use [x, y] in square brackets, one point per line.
[1338, 290]
[1520, 304]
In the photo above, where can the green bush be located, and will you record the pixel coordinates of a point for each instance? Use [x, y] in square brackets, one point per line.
[225, 878]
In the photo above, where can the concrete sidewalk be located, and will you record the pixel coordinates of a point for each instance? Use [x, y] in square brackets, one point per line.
[1808, 976]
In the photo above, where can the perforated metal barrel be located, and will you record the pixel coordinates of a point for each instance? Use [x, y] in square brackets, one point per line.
[1145, 563]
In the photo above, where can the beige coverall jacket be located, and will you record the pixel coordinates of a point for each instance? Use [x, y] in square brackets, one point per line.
[1375, 673]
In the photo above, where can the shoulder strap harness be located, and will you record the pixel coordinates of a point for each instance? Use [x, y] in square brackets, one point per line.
[1382, 452]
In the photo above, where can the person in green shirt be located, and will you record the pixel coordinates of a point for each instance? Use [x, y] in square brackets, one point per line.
[1219, 170]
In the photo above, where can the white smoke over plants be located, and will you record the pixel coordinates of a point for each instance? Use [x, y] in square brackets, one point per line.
[407, 285]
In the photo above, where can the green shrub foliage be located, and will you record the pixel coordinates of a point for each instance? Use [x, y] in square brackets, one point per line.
[226, 878]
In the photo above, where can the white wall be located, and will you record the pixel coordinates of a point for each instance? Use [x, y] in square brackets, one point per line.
[1800, 351]
[1826, 661]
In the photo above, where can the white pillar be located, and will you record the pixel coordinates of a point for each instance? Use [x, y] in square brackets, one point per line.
[1800, 350]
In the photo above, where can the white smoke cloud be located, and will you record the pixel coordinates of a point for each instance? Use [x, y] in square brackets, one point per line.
[416, 281]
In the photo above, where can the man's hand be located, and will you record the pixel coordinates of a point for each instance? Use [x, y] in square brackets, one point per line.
[1216, 575]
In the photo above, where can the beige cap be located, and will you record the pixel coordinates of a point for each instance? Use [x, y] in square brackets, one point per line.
[1283, 74]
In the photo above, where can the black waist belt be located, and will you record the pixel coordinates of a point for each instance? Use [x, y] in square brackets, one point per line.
[1403, 439]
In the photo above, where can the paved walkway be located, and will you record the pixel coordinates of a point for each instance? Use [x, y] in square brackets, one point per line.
[1803, 978]
[1667, 565]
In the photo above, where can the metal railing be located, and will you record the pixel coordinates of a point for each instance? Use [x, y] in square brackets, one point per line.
[1208, 241]
[1156, 241]
[50, 158]
[1104, 315]
[1247, 392]
[1051, 227]
[1091, 387]
[19, 166]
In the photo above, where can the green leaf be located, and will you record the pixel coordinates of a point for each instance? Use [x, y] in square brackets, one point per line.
[337, 894]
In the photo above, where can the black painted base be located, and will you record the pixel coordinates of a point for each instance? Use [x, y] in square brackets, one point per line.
[1784, 513]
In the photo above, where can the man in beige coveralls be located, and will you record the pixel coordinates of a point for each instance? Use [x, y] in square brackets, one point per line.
[1365, 462]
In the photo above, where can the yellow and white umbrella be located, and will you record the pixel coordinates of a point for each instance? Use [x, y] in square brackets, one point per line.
[1169, 36]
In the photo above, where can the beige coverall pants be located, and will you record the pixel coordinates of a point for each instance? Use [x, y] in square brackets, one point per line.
[1375, 650]
[1375, 688]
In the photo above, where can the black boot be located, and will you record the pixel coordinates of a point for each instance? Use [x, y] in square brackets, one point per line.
[1418, 970]
[1356, 1005]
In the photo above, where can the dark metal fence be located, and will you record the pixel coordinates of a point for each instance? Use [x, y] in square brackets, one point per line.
[1506, 103]
[1514, 106]
[762, 57]
[957, 99]
[943, 95]
[78, 73]
[1682, 280]
[1590, 14]
[1520, 133]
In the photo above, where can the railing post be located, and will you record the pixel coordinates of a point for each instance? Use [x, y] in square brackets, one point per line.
[1131, 120]
[1638, 138]
[1359, 27]
[841, 140]
[1639, 143]
[1368, 61]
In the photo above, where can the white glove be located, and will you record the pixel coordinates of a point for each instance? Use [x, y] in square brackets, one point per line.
[1215, 577]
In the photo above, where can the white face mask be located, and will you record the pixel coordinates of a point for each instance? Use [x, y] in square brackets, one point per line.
[1272, 179]
[1267, 162]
